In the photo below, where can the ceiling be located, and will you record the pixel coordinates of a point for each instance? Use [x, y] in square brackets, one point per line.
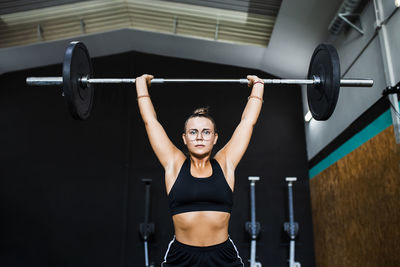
[263, 7]
[274, 36]
[13, 6]
[235, 21]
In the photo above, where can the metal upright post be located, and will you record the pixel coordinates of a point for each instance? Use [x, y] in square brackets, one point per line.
[146, 228]
[291, 228]
[253, 227]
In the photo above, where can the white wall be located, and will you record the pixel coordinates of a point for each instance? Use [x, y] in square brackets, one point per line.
[360, 57]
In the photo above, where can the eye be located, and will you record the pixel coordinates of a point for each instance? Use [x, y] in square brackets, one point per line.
[207, 132]
[192, 132]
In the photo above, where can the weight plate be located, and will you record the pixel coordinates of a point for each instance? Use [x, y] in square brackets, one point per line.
[322, 98]
[77, 64]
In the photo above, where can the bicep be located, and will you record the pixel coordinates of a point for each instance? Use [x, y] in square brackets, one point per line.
[162, 146]
[234, 150]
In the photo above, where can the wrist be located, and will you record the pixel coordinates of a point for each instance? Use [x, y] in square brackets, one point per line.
[255, 97]
[258, 82]
[142, 95]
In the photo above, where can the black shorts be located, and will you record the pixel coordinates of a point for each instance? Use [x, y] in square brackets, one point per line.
[220, 255]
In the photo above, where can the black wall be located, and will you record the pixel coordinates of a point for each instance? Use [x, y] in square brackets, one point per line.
[71, 191]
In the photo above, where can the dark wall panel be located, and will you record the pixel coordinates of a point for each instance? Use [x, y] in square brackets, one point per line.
[71, 191]
[61, 181]
[355, 206]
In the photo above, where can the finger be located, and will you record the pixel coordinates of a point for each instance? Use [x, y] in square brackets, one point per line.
[148, 80]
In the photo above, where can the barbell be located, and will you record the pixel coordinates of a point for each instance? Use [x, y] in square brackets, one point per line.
[323, 83]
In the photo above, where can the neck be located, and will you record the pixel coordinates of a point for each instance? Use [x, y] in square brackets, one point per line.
[200, 162]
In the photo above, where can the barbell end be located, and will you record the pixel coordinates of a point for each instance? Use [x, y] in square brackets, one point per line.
[356, 82]
[44, 81]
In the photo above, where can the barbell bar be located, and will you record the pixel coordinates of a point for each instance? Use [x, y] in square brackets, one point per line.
[40, 81]
[323, 83]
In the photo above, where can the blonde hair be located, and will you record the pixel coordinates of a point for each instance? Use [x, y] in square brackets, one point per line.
[201, 112]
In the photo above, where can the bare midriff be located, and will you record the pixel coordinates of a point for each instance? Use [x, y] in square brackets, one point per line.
[201, 228]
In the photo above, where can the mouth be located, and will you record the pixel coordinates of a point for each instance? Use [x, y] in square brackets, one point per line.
[199, 145]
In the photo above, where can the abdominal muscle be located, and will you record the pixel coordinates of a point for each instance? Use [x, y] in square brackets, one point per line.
[201, 228]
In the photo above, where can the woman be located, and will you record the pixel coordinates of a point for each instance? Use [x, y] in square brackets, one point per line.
[200, 188]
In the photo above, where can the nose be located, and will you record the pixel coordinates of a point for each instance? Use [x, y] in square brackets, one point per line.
[199, 136]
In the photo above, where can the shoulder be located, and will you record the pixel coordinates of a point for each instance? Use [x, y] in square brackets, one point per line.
[227, 168]
[172, 171]
[175, 165]
[223, 162]
[220, 158]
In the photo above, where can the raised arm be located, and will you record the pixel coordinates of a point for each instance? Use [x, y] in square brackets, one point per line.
[234, 150]
[164, 149]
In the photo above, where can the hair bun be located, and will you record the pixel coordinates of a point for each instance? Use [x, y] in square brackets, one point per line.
[201, 111]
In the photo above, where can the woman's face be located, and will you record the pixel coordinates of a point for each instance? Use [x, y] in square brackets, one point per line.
[200, 137]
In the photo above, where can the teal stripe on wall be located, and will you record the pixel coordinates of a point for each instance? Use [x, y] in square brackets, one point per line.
[374, 128]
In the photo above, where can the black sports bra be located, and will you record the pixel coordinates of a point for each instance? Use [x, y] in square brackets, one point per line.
[200, 194]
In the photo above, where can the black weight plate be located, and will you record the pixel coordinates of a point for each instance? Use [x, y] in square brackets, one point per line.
[322, 99]
[77, 64]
